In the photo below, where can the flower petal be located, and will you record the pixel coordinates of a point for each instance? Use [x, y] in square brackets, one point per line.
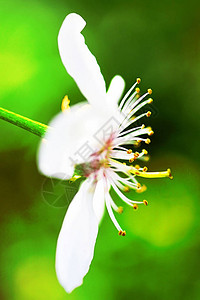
[75, 247]
[73, 136]
[78, 60]
[115, 89]
[55, 149]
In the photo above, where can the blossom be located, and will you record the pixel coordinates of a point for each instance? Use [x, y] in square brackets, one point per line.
[93, 138]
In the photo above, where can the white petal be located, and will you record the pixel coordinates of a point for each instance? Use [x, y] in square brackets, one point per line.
[99, 199]
[75, 247]
[54, 156]
[78, 60]
[74, 135]
[116, 89]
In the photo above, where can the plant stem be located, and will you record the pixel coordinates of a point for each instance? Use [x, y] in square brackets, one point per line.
[23, 122]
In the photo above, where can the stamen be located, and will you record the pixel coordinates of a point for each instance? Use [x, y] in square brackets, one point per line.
[131, 160]
[121, 148]
[120, 210]
[145, 158]
[134, 119]
[145, 169]
[113, 205]
[122, 133]
[128, 183]
[145, 202]
[121, 195]
[150, 100]
[142, 189]
[153, 174]
[135, 206]
[127, 94]
[149, 91]
[138, 80]
[129, 151]
[110, 212]
[74, 178]
[145, 151]
[65, 103]
[151, 132]
[148, 114]
[136, 154]
[135, 104]
[126, 189]
[147, 141]
[138, 100]
[122, 232]
[138, 107]
[170, 174]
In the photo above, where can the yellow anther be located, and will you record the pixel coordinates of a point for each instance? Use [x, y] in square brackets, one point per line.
[147, 141]
[122, 233]
[136, 154]
[135, 206]
[137, 167]
[145, 202]
[150, 100]
[142, 189]
[136, 144]
[138, 185]
[74, 178]
[169, 171]
[146, 158]
[139, 141]
[65, 103]
[126, 188]
[129, 151]
[149, 91]
[145, 151]
[137, 173]
[151, 132]
[138, 80]
[145, 169]
[131, 160]
[137, 90]
[148, 114]
[143, 126]
[120, 210]
[170, 174]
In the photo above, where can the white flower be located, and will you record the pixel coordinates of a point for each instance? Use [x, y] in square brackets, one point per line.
[91, 137]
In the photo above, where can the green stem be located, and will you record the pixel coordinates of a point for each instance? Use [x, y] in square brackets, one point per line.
[33, 127]
[23, 122]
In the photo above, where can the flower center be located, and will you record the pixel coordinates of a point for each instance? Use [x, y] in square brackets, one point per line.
[100, 159]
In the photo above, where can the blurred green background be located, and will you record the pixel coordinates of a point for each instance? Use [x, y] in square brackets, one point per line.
[157, 41]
